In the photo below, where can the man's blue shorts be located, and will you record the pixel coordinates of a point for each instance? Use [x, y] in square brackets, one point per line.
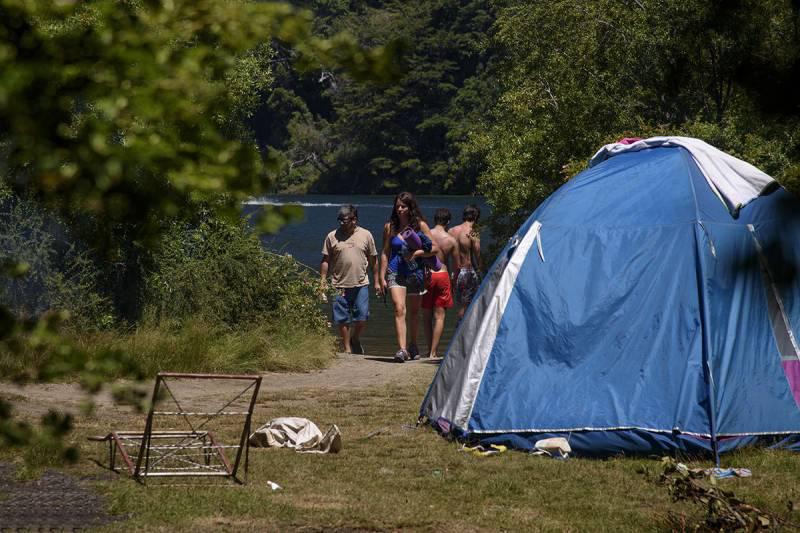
[351, 305]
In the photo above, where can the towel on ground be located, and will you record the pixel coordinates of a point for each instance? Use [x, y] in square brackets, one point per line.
[299, 434]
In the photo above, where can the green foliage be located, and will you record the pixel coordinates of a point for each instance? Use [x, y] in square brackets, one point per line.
[402, 130]
[56, 275]
[578, 75]
[127, 114]
[76, 289]
[723, 511]
[123, 109]
[220, 273]
[251, 76]
[350, 137]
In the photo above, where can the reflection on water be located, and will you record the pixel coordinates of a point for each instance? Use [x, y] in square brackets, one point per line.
[303, 240]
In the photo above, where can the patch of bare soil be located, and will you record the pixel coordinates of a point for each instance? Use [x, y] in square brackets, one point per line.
[347, 372]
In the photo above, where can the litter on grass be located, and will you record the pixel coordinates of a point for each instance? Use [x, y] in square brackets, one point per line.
[556, 447]
[717, 473]
[722, 473]
[484, 451]
[299, 434]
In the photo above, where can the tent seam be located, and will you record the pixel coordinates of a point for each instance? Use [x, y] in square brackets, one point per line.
[704, 322]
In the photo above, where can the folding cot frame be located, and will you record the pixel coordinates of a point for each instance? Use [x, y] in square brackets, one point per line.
[156, 449]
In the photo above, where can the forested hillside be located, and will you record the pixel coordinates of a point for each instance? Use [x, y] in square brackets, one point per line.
[509, 98]
[335, 135]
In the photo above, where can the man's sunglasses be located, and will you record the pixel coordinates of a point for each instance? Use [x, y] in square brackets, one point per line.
[345, 219]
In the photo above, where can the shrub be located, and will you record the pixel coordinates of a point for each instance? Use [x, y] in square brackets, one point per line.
[60, 275]
[219, 272]
[214, 300]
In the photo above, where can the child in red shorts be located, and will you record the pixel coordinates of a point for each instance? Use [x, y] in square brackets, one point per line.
[439, 295]
[435, 302]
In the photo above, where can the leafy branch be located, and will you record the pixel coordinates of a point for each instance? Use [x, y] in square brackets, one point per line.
[723, 511]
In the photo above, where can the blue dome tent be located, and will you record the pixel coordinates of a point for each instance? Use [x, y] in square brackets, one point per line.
[649, 305]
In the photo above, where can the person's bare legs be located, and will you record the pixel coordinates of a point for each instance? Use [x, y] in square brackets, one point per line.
[414, 301]
[427, 321]
[344, 331]
[355, 333]
[438, 327]
[398, 295]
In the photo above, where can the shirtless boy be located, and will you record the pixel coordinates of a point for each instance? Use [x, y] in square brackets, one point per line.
[439, 297]
[468, 257]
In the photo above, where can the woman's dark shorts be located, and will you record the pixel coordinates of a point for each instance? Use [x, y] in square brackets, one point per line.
[413, 284]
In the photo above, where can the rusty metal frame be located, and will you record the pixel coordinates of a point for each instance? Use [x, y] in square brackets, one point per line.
[214, 460]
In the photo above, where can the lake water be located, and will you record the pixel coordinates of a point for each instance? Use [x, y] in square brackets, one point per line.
[303, 240]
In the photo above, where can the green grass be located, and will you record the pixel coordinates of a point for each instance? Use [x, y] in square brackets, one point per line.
[196, 346]
[391, 478]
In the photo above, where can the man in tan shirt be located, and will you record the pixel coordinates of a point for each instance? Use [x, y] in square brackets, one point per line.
[346, 253]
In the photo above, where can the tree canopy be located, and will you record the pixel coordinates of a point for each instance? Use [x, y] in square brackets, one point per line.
[575, 76]
[131, 110]
[509, 98]
[341, 136]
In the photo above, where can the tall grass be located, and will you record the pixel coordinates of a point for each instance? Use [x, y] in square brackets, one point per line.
[195, 346]
[198, 346]
[213, 300]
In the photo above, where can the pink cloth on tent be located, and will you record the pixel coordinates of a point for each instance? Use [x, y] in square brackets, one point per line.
[629, 140]
[792, 369]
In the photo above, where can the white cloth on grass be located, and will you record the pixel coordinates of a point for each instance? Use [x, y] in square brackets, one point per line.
[554, 447]
[300, 434]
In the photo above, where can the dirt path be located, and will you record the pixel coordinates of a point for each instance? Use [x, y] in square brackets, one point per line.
[347, 372]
